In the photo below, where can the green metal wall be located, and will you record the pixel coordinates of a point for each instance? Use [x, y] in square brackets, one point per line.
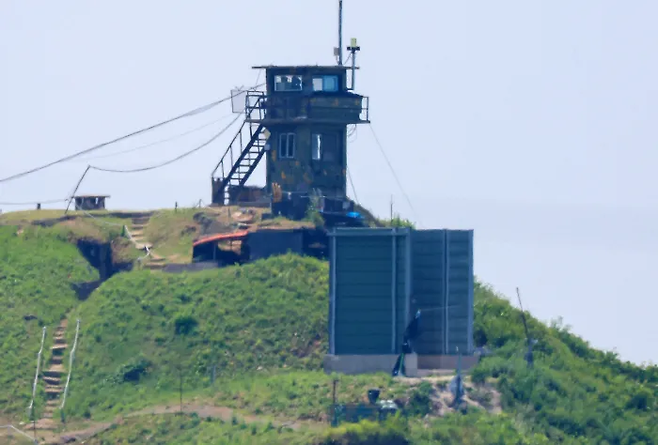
[426, 270]
[368, 285]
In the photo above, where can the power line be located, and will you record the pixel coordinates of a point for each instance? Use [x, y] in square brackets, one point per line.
[381, 148]
[171, 161]
[198, 110]
[52, 201]
[152, 167]
[161, 141]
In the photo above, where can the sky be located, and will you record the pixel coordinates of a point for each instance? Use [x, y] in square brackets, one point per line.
[532, 123]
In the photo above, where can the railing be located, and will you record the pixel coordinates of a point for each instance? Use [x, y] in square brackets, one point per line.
[68, 378]
[36, 376]
[253, 102]
[291, 106]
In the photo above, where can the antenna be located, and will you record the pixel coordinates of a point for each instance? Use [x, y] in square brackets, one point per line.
[353, 48]
[338, 52]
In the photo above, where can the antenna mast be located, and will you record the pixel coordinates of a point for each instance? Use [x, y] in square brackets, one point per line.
[339, 51]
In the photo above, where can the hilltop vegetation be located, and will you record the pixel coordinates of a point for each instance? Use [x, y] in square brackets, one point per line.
[37, 270]
[262, 327]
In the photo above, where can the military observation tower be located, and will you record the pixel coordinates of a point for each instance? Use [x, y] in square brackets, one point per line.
[300, 125]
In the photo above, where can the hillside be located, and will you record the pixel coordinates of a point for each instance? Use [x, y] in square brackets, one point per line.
[262, 328]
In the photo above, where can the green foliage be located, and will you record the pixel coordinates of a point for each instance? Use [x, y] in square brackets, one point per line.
[37, 270]
[393, 431]
[267, 315]
[299, 394]
[572, 392]
[263, 326]
[420, 403]
[397, 221]
[475, 427]
[193, 430]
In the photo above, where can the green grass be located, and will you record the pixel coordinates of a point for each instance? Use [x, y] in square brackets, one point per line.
[173, 232]
[37, 269]
[263, 326]
[169, 429]
[141, 327]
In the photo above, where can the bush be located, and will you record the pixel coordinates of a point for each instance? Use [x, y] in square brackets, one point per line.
[391, 432]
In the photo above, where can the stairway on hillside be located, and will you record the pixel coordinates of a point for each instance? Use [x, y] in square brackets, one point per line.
[54, 378]
[137, 228]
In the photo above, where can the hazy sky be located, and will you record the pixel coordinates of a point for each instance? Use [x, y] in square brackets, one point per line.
[533, 123]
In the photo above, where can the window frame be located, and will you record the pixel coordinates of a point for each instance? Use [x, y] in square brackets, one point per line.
[290, 90]
[323, 78]
[316, 149]
[290, 150]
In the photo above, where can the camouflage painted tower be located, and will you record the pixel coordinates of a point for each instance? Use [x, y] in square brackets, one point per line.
[300, 125]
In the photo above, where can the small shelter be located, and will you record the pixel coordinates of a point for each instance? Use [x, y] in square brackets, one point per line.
[90, 202]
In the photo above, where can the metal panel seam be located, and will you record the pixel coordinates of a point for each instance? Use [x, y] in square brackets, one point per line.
[332, 338]
[470, 294]
[408, 278]
[446, 293]
[394, 261]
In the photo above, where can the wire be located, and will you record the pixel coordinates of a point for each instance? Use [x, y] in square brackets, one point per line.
[381, 148]
[171, 161]
[130, 150]
[52, 201]
[199, 110]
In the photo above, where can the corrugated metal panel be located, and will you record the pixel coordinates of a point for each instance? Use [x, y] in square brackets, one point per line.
[429, 289]
[459, 290]
[378, 281]
[368, 307]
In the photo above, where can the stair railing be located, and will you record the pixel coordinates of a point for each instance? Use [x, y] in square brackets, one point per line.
[68, 378]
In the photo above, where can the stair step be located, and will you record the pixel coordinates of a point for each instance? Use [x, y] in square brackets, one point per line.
[60, 340]
[59, 349]
[46, 424]
[52, 380]
[56, 360]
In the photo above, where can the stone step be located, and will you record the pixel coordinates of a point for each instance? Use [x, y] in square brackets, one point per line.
[56, 359]
[59, 349]
[52, 404]
[143, 220]
[52, 380]
[46, 424]
[60, 340]
[54, 371]
[53, 388]
[154, 266]
[158, 259]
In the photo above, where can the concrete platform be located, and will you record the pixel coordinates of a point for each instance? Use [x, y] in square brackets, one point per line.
[368, 364]
[416, 365]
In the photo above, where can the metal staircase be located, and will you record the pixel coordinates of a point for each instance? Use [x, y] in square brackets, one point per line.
[242, 155]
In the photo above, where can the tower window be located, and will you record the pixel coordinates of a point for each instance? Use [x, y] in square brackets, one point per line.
[325, 83]
[316, 147]
[287, 145]
[288, 83]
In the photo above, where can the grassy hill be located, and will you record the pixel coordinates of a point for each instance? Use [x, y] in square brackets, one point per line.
[262, 328]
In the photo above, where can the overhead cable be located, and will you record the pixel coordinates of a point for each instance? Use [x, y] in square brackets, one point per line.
[381, 148]
[196, 111]
[171, 161]
[152, 167]
[52, 201]
[161, 141]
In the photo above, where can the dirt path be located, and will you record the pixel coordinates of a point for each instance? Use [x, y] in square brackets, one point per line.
[204, 411]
